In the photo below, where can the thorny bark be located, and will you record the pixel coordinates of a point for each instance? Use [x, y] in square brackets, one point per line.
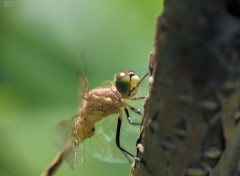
[191, 118]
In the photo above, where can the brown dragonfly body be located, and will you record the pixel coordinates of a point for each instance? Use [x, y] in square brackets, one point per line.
[96, 105]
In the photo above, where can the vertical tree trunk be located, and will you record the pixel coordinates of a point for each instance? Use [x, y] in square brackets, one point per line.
[191, 118]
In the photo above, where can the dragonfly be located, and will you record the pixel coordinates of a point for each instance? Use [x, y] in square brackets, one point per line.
[96, 105]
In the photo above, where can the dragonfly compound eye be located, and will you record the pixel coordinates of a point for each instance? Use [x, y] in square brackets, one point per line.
[126, 83]
[123, 83]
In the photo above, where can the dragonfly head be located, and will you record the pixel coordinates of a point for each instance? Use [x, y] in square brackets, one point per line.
[126, 83]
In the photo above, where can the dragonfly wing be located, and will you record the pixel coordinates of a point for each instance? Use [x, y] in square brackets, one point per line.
[76, 156]
[62, 132]
[103, 146]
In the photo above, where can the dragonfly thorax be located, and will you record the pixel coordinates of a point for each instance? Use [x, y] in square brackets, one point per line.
[101, 102]
[97, 104]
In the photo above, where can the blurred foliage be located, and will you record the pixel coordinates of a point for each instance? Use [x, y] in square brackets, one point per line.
[42, 44]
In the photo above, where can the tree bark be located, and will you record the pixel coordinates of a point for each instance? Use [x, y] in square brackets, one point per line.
[190, 125]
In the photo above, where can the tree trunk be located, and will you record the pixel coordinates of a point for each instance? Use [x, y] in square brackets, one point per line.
[190, 125]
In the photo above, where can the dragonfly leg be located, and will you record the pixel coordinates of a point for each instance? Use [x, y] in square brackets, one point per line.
[129, 117]
[138, 98]
[119, 124]
[137, 111]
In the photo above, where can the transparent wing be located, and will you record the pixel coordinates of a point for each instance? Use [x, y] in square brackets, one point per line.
[62, 132]
[103, 146]
[74, 155]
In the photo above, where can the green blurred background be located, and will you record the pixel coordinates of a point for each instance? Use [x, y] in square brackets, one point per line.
[41, 43]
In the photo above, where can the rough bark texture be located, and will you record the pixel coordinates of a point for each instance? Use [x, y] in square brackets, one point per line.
[191, 118]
